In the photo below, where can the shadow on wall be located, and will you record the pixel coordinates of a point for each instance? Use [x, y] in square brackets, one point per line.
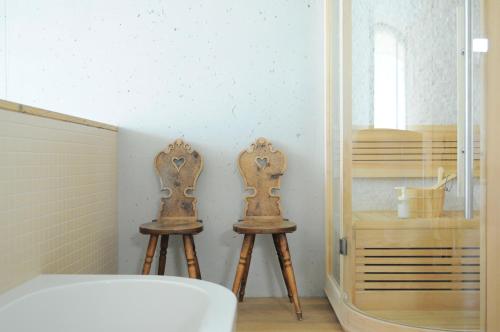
[220, 193]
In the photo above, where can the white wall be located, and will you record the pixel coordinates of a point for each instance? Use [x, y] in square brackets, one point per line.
[219, 74]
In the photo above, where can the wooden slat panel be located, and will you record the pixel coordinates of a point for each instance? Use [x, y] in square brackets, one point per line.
[386, 135]
[417, 260]
[417, 252]
[404, 136]
[358, 145]
[404, 157]
[417, 276]
[411, 262]
[404, 150]
[408, 155]
[404, 153]
[444, 159]
[418, 238]
[417, 285]
[418, 269]
[401, 145]
[408, 164]
[383, 219]
[389, 149]
[398, 169]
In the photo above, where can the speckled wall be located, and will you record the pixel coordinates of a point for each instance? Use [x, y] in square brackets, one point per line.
[218, 73]
[428, 30]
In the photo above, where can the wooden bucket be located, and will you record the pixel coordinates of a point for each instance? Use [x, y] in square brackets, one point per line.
[425, 202]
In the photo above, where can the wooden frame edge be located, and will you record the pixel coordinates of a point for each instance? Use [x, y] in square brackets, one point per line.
[20, 108]
[492, 109]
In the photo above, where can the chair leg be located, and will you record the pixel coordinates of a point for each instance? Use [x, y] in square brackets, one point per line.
[163, 254]
[190, 256]
[150, 252]
[197, 264]
[240, 270]
[287, 264]
[247, 268]
[280, 259]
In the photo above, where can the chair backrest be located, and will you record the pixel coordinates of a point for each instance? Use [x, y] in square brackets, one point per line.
[261, 168]
[178, 167]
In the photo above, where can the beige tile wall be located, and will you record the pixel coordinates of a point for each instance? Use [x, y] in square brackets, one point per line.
[57, 198]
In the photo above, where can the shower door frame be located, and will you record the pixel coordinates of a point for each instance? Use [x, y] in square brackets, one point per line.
[338, 293]
[344, 90]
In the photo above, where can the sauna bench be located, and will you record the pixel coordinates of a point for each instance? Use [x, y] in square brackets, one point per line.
[415, 263]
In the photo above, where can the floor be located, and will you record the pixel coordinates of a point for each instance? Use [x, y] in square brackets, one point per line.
[277, 315]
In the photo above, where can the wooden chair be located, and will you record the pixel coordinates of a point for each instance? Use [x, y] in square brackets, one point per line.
[261, 168]
[178, 167]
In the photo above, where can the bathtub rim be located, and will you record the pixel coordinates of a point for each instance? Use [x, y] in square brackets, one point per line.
[220, 313]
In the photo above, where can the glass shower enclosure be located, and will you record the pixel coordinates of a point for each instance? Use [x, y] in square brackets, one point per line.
[406, 167]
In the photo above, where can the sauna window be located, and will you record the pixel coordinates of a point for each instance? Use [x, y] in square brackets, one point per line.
[389, 88]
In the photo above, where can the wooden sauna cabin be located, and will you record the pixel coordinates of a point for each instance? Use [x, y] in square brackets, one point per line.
[413, 264]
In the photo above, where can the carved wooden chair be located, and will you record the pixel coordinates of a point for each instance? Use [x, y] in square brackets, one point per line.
[178, 167]
[261, 168]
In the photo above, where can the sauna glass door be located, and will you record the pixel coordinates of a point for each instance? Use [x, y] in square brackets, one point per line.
[414, 252]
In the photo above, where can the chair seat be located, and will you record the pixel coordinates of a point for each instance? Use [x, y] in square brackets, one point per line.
[179, 227]
[264, 226]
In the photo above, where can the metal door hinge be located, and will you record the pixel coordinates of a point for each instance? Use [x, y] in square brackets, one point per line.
[343, 246]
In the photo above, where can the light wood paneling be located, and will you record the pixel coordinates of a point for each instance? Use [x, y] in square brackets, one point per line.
[418, 277]
[492, 12]
[388, 219]
[415, 269]
[417, 238]
[276, 315]
[415, 264]
[406, 153]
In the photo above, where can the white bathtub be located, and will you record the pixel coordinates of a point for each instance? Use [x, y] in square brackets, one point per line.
[92, 303]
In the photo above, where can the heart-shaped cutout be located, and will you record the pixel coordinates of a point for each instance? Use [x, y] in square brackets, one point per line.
[262, 162]
[178, 162]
